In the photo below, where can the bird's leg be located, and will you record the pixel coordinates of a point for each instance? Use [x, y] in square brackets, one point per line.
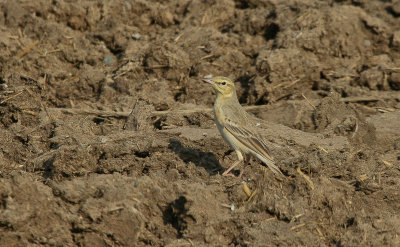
[226, 173]
[246, 162]
[240, 159]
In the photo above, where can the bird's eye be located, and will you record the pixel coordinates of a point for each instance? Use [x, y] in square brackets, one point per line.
[223, 83]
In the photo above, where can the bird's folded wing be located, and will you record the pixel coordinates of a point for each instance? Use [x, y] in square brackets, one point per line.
[253, 141]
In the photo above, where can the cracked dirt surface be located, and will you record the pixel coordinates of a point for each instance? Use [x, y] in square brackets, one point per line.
[77, 169]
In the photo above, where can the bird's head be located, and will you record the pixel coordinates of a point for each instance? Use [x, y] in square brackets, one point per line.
[223, 86]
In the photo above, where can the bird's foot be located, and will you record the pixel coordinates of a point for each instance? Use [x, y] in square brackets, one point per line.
[228, 174]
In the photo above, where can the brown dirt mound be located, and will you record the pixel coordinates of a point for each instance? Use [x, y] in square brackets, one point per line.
[107, 138]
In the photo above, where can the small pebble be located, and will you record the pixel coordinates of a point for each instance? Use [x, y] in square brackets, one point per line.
[232, 207]
[395, 42]
[128, 5]
[136, 36]
[395, 9]
[394, 81]
[108, 60]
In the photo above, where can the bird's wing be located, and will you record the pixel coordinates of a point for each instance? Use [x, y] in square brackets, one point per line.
[253, 141]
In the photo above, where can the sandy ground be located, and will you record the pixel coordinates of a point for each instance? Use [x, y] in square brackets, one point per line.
[77, 169]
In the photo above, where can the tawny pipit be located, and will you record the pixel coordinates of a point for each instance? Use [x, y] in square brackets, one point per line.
[237, 127]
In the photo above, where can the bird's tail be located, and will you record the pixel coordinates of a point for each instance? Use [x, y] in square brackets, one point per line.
[271, 164]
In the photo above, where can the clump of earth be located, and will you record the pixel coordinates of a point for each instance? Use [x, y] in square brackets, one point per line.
[107, 136]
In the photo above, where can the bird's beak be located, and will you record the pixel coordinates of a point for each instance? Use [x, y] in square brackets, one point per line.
[209, 80]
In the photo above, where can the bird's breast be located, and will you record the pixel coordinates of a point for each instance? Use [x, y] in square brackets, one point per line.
[220, 120]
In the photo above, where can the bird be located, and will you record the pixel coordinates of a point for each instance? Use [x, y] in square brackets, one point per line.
[237, 127]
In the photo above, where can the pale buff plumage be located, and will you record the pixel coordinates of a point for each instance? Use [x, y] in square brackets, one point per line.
[237, 127]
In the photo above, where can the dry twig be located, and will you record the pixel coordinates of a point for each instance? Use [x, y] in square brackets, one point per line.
[309, 102]
[11, 97]
[203, 110]
[307, 178]
[27, 49]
